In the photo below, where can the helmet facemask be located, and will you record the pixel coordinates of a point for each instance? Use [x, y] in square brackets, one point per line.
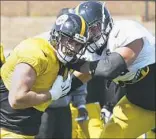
[68, 49]
[70, 34]
[97, 37]
[99, 29]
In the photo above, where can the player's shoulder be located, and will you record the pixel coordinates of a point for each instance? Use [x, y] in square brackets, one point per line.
[32, 47]
[33, 43]
[125, 32]
[36, 47]
[126, 27]
[43, 35]
[126, 23]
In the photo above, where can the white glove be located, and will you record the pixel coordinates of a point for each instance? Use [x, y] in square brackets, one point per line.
[60, 87]
[66, 85]
[105, 115]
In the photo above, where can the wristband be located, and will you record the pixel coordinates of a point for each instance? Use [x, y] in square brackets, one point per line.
[76, 83]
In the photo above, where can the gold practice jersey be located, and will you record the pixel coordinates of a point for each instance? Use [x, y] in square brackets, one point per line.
[2, 58]
[39, 54]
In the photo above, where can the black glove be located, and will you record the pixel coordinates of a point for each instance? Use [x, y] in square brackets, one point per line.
[82, 114]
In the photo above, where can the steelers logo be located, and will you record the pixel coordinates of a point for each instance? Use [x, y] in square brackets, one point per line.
[60, 20]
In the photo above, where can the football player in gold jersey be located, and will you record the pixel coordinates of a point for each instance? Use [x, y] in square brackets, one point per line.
[2, 58]
[31, 75]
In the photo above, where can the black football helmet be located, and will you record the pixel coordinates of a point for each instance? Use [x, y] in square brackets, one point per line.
[65, 11]
[99, 21]
[70, 36]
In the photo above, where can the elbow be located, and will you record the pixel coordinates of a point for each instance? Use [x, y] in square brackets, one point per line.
[102, 73]
[14, 102]
[107, 74]
[102, 69]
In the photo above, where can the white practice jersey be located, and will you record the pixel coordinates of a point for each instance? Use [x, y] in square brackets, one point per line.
[125, 32]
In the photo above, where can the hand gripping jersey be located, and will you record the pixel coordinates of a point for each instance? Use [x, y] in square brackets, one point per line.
[125, 32]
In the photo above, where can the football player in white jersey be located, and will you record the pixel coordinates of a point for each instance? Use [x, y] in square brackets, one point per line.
[129, 60]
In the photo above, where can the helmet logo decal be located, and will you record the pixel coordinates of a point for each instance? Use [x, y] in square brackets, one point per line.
[61, 19]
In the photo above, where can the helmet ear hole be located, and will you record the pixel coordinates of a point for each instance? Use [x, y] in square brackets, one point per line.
[54, 35]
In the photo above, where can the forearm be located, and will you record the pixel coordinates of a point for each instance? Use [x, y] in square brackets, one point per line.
[79, 96]
[84, 77]
[116, 63]
[79, 79]
[110, 67]
[30, 99]
[78, 101]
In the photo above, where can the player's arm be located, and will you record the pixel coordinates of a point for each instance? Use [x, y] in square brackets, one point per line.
[79, 101]
[130, 52]
[84, 77]
[79, 96]
[117, 62]
[79, 79]
[20, 94]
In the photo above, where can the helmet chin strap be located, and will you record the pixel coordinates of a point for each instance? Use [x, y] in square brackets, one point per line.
[101, 41]
[62, 57]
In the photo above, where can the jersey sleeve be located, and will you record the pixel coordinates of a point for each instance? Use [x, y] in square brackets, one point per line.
[129, 32]
[28, 52]
[2, 58]
[123, 33]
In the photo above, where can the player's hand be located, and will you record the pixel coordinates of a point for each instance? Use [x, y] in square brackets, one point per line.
[105, 114]
[82, 114]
